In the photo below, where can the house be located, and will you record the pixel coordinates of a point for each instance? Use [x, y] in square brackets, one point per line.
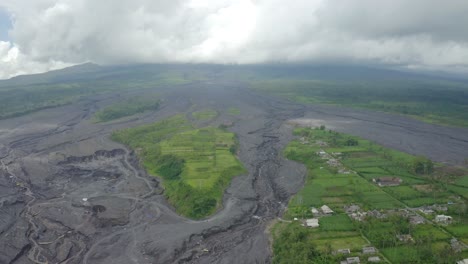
[353, 260]
[313, 222]
[376, 214]
[405, 238]
[344, 251]
[441, 208]
[373, 259]
[326, 210]
[333, 162]
[344, 171]
[443, 219]
[387, 181]
[314, 211]
[352, 208]
[359, 216]
[426, 211]
[417, 220]
[369, 250]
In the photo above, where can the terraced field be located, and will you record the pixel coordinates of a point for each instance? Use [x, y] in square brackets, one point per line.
[196, 164]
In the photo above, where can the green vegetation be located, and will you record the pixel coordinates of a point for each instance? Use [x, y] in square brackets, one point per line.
[431, 101]
[19, 97]
[126, 108]
[205, 115]
[293, 244]
[234, 111]
[343, 170]
[16, 102]
[195, 164]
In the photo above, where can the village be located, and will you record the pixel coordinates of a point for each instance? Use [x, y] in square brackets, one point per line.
[343, 171]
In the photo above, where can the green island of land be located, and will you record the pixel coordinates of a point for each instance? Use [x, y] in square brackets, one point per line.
[205, 115]
[438, 102]
[130, 107]
[196, 164]
[384, 204]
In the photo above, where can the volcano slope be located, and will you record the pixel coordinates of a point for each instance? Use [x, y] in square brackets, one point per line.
[71, 195]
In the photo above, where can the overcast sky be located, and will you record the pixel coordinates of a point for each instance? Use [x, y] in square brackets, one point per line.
[39, 35]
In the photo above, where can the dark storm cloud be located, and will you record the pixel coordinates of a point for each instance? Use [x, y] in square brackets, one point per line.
[418, 34]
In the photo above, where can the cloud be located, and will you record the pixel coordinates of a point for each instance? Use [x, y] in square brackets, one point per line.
[417, 34]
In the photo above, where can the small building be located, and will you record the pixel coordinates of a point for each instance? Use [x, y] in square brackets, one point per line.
[417, 220]
[375, 213]
[464, 261]
[438, 207]
[359, 216]
[333, 162]
[373, 259]
[352, 208]
[426, 211]
[443, 219]
[326, 210]
[314, 211]
[313, 222]
[353, 260]
[387, 181]
[405, 238]
[369, 250]
[344, 251]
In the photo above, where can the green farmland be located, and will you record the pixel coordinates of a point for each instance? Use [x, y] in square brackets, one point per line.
[196, 164]
[126, 108]
[341, 172]
[205, 115]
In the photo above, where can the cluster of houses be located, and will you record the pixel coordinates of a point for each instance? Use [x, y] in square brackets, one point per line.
[440, 218]
[333, 161]
[314, 222]
[365, 251]
[355, 213]
[430, 209]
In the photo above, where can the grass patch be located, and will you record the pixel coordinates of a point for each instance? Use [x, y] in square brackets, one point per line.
[340, 222]
[462, 181]
[204, 115]
[354, 243]
[126, 108]
[233, 111]
[422, 100]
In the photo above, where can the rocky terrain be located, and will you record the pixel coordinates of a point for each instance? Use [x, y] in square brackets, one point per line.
[68, 194]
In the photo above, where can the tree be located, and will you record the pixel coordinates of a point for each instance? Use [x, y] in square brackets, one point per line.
[422, 165]
[170, 166]
[351, 142]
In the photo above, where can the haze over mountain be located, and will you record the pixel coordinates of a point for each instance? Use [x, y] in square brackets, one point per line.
[41, 35]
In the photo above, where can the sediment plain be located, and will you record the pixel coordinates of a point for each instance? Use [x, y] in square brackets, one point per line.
[68, 194]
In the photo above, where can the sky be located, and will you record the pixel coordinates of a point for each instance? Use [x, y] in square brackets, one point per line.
[41, 35]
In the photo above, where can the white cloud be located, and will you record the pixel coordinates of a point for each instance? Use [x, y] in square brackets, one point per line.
[419, 34]
[13, 62]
